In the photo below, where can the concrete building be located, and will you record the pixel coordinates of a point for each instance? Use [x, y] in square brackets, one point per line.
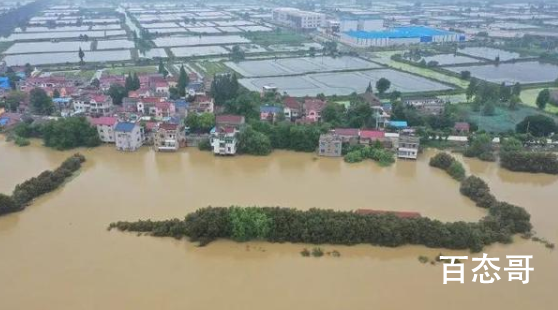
[128, 136]
[223, 141]
[298, 19]
[408, 147]
[330, 145]
[95, 104]
[360, 22]
[399, 36]
[167, 137]
[426, 105]
[105, 127]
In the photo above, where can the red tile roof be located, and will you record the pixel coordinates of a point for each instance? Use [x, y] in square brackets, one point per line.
[164, 105]
[314, 105]
[461, 126]
[291, 103]
[372, 134]
[229, 118]
[105, 120]
[168, 126]
[400, 214]
[347, 131]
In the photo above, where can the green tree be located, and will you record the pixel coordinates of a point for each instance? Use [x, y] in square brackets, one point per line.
[161, 68]
[14, 99]
[96, 83]
[465, 75]
[505, 92]
[224, 87]
[81, 55]
[543, 98]
[40, 102]
[117, 92]
[516, 89]
[471, 89]
[71, 132]
[333, 113]
[183, 81]
[382, 85]
[253, 142]
[237, 54]
[538, 125]
[246, 104]
[200, 123]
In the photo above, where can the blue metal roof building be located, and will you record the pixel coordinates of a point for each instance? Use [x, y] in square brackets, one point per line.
[398, 124]
[124, 127]
[4, 83]
[400, 35]
[400, 32]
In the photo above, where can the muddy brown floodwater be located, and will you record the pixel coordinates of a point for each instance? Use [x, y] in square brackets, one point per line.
[57, 254]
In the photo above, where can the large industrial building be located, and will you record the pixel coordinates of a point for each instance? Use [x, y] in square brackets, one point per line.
[399, 36]
[298, 19]
[360, 22]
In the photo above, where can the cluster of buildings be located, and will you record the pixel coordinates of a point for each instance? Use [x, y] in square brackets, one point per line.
[361, 28]
[404, 143]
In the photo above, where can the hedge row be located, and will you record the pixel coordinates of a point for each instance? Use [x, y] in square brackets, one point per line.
[45, 182]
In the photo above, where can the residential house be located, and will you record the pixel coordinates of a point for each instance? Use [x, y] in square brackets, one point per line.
[181, 108]
[330, 145]
[408, 147]
[426, 105]
[270, 113]
[149, 129]
[146, 106]
[95, 104]
[348, 135]
[164, 109]
[9, 120]
[371, 99]
[229, 120]
[202, 104]
[461, 128]
[292, 108]
[369, 136]
[313, 109]
[128, 136]
[554, 96]
[398, 124]
[130, 104]
[168, 137]
[105, 127]
[161, 88]
[223, 140]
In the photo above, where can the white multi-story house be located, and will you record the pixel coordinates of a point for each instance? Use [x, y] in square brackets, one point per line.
[223, 141]
[408, 147]
[105, 127]
[93, 104]
[298, 19]
[168, 137]
[128, 136]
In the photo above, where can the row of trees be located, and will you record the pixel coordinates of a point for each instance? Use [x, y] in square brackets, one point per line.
[375, 152]
[446, 162]
[61, 134]
[515, 158]
[45, 182]
[318, 226]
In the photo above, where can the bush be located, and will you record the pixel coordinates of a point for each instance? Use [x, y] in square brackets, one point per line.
[353, 157]
[442, 160]
[45, 182]
[533, 162]
[19, 141]
[305, 252]
[456, 171]
[205, 145]
[478, 191]
[317, 252]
